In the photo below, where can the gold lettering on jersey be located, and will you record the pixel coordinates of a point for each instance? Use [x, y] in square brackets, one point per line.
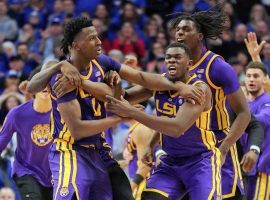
[96, 108]
[167, 108]
[41, 134]
[83, 94]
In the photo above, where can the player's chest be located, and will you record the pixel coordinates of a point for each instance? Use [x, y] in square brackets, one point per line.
[167, 104]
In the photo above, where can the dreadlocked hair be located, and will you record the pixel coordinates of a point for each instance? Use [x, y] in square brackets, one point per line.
[72, 28]
[210, 23]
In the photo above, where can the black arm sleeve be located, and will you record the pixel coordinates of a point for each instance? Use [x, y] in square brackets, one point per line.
[254, 130]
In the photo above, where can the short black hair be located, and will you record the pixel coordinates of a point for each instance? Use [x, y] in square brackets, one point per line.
[179, 45]
[72, 28]
[210, 23]
[257, 65]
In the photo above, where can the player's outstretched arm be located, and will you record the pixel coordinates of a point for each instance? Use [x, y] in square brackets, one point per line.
[157, 82]
[173, 127]
[71, 114]
[41, 79]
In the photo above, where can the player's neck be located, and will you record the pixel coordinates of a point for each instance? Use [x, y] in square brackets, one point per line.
[42, 105]
[253, 95]
[80, 62]
[196, 54]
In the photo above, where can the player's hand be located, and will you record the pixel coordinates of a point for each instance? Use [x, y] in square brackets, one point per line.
[252, 45]
[71, 73]
[248, 161]
[127, 155]
[62, 86]
[112, 78]
[147, 158]
[191, 92]
[22, 88]
[119, 107]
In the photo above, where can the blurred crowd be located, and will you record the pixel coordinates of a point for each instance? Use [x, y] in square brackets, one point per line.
[135, 32]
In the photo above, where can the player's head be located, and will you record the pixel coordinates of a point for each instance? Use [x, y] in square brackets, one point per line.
[81, 38]
[256, 74]
[177, 61]
[192, 29]
[7, 193]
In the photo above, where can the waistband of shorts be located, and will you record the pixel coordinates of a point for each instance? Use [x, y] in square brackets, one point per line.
[88, 146]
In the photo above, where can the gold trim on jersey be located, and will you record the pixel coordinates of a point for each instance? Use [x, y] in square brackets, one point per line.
[68, 173]
[99, 67]
[60, 169]
[157, 191]
[86, 77]
[262, 186]
[200, 61]
[220, 98]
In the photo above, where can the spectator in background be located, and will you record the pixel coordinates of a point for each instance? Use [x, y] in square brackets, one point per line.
[16, 11]
[151, 30]
[127, 41]
[266, 56]
[102, 34]
[116, 55]
[8, 26]
[130, 15]
[7, 193]
[9, 48]
[90, 6]
[162, 39]
[27, 57]
[39, 7]
[155, 52]
[102, 14]
[238, 68]
[7, 102]
[69, 7]
[31, 37]
[191, 6]
[11, 82]
[229, 10]
[16, 63]
[258, 13]
[53, 33]
[58, 10]
[262, 29]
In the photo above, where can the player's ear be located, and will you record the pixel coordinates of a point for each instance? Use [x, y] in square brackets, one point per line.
[200, 36]
[75, 46]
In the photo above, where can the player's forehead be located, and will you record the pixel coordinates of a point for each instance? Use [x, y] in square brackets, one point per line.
[175, 51]
[186, 23]
[87, 31]
[252, 71]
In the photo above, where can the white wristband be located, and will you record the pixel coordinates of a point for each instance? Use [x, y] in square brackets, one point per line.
[255, 147]
[159, 153]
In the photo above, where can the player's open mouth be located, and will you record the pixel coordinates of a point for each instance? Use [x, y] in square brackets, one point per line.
[99, 50]
[172, 70]
[181, 40]
[251, 86]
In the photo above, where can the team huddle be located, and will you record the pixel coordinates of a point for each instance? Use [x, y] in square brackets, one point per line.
[78, 99]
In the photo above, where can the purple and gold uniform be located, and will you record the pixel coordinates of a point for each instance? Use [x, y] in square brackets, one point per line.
[260, 108]
[79, 167]
[222, 80]
[192, 163]
[33, 142]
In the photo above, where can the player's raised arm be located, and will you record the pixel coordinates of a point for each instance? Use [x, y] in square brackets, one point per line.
[170, 126]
